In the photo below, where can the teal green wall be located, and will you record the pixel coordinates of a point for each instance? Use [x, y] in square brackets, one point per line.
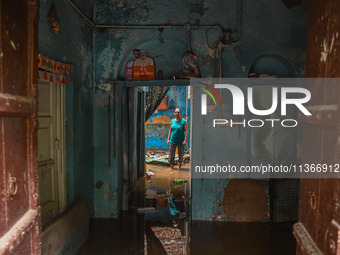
[74, 45]
[100, 56]
[268, 28]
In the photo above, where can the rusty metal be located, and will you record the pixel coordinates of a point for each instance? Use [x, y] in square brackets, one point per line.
[12, 186]
[312, 200]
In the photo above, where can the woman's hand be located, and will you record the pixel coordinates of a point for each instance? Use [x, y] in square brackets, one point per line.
[185, 143]
[168, 142]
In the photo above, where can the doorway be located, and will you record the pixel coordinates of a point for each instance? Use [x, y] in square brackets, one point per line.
[168, 189]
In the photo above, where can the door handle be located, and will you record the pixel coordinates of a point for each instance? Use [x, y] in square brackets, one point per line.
[12, 186]
[312, 200]
[56, 144]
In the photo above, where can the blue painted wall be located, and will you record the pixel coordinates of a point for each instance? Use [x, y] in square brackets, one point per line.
[268, 27]
[74, 45]
[100, 56]
[156, 132]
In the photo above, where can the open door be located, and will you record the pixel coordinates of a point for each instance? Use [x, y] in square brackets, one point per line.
[19, 203]
[318, 229]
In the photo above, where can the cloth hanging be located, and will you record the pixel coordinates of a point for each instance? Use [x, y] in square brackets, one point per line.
[154, 98]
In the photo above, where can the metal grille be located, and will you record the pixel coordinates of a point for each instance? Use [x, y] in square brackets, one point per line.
[285, 199]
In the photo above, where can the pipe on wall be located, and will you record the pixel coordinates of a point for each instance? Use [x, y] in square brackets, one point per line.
[156, 27]
[91, 23]
[188, 27]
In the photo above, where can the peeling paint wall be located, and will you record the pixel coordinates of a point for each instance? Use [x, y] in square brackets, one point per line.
[158, 126]
[74, 45]
[268, 27]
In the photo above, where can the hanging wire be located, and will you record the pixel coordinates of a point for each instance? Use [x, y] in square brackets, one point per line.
[188, 37]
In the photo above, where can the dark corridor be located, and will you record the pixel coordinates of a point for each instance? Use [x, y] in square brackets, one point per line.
[85, 47]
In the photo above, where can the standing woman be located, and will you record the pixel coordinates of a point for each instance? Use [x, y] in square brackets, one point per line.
[177, 137]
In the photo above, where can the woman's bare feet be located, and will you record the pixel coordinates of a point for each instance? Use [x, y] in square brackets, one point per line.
[172, 166]
[179, 165]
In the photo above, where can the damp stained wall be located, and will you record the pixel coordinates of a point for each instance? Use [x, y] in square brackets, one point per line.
[74, 45]
[268, 27]
[105, 164]
[158, 126]
[112, 50]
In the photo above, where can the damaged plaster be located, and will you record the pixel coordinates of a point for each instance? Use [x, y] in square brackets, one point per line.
[327, 48]
[262, 34]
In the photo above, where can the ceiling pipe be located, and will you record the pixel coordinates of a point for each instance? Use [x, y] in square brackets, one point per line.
[156, 27]
[187, 27]
[133, 26]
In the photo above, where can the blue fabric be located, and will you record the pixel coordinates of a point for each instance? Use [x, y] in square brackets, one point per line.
[178, 132]
[173, 209]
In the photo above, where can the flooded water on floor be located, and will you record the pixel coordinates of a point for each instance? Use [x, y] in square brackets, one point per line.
[164, 176]
[125, 235]
[235, 238]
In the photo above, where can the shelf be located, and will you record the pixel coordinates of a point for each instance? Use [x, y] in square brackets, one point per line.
[174, 82]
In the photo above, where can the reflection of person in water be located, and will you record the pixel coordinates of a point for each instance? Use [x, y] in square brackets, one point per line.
[143, 60]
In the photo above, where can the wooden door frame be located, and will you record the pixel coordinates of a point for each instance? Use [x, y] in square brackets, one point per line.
[26, 231]
[62, 186]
